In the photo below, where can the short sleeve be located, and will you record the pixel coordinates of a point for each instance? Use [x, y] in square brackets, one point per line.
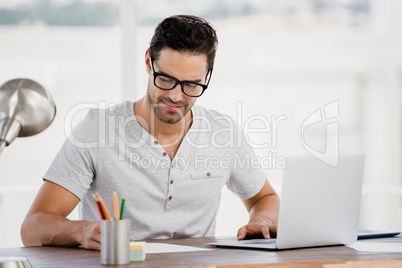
[247, 176]
[74, 166]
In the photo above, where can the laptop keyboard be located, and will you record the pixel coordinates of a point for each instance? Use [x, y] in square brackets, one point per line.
[261, 242]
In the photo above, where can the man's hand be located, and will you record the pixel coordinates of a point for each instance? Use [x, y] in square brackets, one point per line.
[46, 222]
[255, 229]
[264, 211]
[88, 234]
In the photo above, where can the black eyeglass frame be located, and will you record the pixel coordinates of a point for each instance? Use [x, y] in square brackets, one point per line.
[177, 81]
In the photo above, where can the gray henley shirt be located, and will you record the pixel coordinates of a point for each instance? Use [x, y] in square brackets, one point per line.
[110, 152]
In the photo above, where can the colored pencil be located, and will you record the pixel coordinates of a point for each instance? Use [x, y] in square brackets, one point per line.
[99, 207]
[103, 207]
[116, 206]
[122, 207]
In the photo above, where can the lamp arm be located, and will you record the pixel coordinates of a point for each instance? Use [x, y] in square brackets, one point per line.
[3, 145]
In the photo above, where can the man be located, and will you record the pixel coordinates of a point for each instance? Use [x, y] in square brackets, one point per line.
[169, 157]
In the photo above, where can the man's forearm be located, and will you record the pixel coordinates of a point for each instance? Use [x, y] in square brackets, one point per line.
[44, 228]
[265, 210]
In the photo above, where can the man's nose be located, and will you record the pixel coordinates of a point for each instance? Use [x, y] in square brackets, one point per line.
[176, 94]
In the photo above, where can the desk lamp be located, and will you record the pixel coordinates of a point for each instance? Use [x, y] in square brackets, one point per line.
[26, 108]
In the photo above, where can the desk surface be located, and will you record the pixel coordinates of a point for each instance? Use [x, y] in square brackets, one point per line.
[78, 257]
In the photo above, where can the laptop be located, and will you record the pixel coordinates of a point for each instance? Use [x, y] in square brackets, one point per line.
[320, 204]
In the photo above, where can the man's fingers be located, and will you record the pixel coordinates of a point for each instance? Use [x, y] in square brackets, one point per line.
[97, 238]
[93, 245]
[90, 237]
[96, 233]
[242, 233]
[251, 230]
[265, 231]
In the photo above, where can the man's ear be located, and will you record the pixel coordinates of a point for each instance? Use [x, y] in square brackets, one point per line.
[147, 61]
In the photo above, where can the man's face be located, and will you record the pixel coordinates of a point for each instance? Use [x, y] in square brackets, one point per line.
[170, 106]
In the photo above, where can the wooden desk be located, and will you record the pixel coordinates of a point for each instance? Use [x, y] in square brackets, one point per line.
[337, 256]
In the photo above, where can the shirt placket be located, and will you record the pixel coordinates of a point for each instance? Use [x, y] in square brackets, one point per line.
[170, 192]
[170, 179]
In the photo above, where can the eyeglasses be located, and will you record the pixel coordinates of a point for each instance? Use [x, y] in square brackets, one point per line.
[166, 82]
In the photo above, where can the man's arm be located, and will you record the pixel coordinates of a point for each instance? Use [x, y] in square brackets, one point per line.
[46, 222]
[264, 210]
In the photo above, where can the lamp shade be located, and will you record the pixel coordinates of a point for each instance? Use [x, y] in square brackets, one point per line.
[26, 108]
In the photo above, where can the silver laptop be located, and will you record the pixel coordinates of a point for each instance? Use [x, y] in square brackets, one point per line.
[320, 204]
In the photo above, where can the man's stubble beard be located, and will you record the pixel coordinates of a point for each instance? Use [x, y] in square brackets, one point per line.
[164, 115]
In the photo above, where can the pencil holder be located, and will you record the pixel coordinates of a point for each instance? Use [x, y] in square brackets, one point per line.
[115, 242]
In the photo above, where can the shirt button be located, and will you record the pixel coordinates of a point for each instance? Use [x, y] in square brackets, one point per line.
[172, 165]
[155, 142]
[170, 197]
[208, 174]
[171, 181]
[164, 153]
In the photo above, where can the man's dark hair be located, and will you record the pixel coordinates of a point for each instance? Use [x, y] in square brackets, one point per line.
[184, 33]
